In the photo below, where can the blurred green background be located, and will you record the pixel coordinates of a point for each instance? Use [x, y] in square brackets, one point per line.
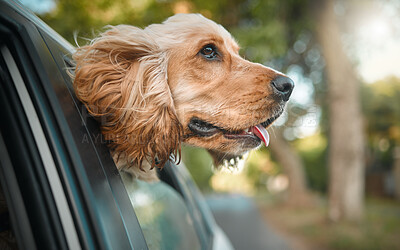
[289, 36]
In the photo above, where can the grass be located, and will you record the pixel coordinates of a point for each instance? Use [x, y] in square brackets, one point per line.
[380, 228]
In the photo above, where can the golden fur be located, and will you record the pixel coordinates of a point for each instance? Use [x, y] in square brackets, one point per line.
[145, 85]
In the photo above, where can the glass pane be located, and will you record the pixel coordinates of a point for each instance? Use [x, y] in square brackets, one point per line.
[162, 214]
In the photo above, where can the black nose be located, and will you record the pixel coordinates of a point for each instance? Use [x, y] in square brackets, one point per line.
[283, 87]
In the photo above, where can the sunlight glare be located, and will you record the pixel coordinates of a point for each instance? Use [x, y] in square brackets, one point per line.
[377, 30]
[378, 49]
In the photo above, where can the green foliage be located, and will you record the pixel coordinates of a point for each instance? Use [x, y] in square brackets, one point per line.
[87, 17]
[199, 164]
[255, 174]
[381, 104]
[259, 167]
[316, 169]
[313, 151]
[260, 26]
[381, 107]
[261, 43]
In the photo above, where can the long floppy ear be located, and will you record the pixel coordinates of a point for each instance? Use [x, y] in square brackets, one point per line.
[121, 77]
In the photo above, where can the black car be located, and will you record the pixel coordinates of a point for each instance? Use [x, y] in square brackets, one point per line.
[60, 188]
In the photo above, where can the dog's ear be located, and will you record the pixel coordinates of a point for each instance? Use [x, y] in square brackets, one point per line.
[121, 77]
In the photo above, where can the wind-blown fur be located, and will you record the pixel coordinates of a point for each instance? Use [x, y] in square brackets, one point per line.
[121, 78]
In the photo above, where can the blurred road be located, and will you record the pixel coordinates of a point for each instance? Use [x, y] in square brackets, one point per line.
[239, 217]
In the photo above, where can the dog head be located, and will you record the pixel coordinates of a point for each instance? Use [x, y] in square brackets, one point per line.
[182, 80]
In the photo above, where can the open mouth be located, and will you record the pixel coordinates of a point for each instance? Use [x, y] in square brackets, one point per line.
[256, 133]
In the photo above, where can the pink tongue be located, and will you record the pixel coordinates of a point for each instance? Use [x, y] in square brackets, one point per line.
[261, 133]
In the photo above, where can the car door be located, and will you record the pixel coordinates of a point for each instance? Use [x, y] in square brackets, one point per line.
[61, 185]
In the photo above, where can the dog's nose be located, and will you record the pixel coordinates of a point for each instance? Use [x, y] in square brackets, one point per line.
[283, 87]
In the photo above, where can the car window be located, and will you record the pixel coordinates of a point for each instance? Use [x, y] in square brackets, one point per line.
[162, 213]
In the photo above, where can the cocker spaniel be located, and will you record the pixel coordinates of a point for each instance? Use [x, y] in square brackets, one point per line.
[179, 81]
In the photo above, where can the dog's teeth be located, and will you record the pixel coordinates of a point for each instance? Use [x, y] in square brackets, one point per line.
[226, 164]
[232, 161]
[237, 159]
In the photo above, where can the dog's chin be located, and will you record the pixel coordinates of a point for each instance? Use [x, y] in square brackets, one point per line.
[227, 160]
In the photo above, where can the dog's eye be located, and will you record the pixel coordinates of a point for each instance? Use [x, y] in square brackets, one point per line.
[209, 52]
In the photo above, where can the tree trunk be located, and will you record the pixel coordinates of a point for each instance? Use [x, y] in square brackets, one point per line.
[291, 163]
[346, 154]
